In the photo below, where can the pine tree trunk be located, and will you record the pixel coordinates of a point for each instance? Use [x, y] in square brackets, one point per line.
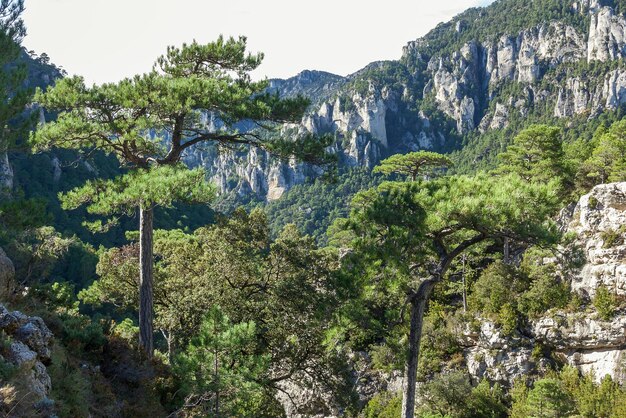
[145, 280]
[418, 305]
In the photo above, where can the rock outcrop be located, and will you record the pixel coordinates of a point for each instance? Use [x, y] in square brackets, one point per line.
[582, 339]
[568, 64]
[599, 222]
[27, 343]
[607, 35]
[496, 357]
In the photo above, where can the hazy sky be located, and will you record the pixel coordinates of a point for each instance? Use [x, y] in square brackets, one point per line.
[106, 40]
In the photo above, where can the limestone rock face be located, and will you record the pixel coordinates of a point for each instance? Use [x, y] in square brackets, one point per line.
[28, 330]
[581, 339]
[580, 332]
[607, 35]
[29, 347]
[599, 221]
[498, 358]
[543, 67]
[573, 99]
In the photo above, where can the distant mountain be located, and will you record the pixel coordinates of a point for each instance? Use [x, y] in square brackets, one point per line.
[317, 85]
[488, 70]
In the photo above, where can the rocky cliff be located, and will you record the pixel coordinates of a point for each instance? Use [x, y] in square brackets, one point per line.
[583, 338]
[480, 71]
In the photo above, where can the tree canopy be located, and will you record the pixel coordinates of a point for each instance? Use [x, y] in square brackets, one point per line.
[413, 164]
[155, 117]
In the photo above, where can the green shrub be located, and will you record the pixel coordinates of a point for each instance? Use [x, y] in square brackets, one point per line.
[71, 390]
[57, 296]
[383, 405]
[127, 331]
[545, 293]
[604, 302]
[81, 333]
[495, 287]
[611, 237]
[439, 344]
[486, 401]
[7, 370]
[507, 319]
[549, 399]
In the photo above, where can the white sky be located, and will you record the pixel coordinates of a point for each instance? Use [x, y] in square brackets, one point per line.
[106, 40]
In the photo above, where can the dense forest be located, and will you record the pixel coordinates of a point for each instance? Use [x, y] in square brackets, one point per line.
[131, 285]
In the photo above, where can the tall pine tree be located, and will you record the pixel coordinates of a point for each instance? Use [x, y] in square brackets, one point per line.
[150, 120]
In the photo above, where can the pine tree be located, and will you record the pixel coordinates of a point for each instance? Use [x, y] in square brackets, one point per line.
[219, 368]
[413, 164]
[150, 120]
[536, 155]
[419, 229]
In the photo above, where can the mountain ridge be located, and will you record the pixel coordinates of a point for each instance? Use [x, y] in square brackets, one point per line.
[482, 71]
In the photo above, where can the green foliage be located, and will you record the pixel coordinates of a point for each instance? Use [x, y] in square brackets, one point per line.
[184, 83]
[439, 345]
[81, 333]
[57, 296]
[446, 394]
[548, 399]
[17, 215]
[605, 303]
[497, 286]
[486, 401]
[158, 186]
[36, 252]
[220, 369]
[612, 237]
[393, 231]
[607, 162]
[14, 97]
[383, 405]
[506, 294]
[536, 154]
[507, 319]
[126, 330]
[546, 289]
[71, 389]
[148, 122]
[7, 369]
[545, 293]
[414, 164]
[286, 284]
[451, 395]
[314, 206]
[568, 393]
